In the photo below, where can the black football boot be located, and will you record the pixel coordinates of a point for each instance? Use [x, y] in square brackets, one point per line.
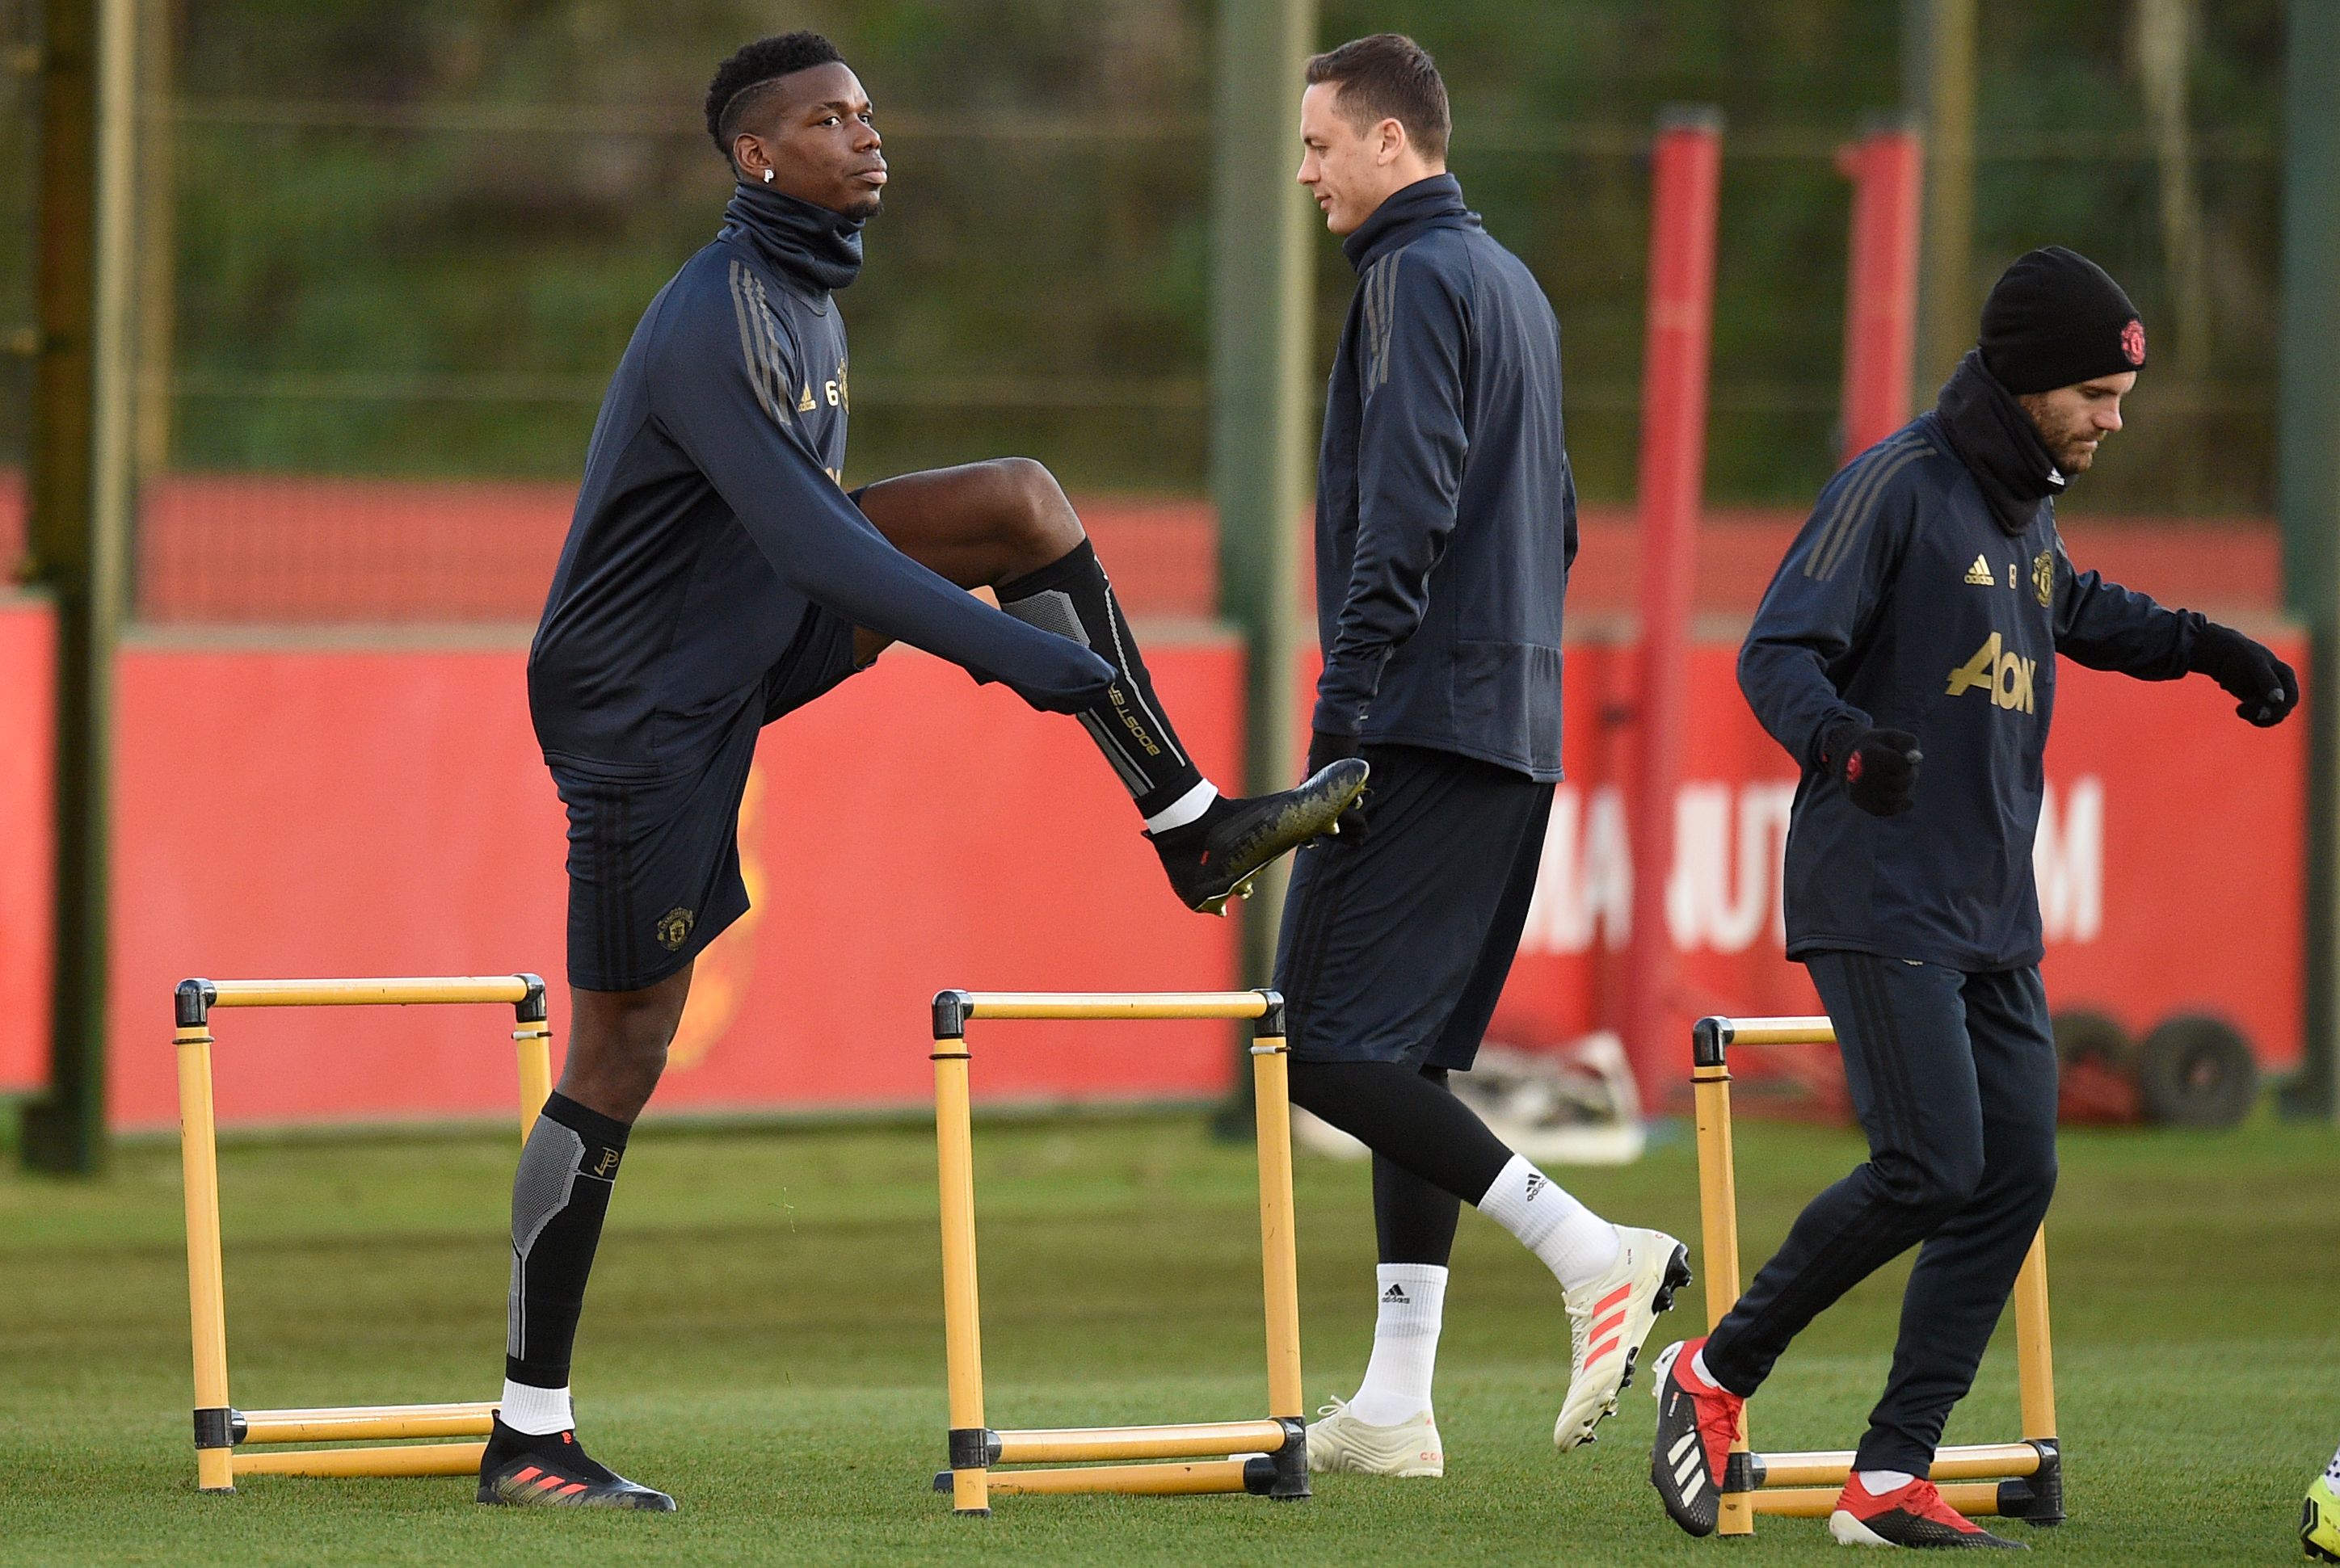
[554, 1472]
[1214, 857]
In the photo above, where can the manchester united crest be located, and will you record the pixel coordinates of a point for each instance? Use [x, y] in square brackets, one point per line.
[2043, 578]
[674, 927]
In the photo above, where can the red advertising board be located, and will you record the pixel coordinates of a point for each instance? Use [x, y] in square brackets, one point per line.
[318, 808]
[27, 840]
[316, 811]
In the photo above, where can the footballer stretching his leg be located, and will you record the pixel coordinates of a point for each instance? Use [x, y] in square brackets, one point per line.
[1006, 526]
[715, 578]
[1445, 529]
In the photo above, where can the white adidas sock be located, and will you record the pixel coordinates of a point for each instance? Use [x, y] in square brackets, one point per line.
[1413, 1303]
[1188, 807]
[1878, 1482]
[539, 1412]
[1576, 1244]
[2332, 1471]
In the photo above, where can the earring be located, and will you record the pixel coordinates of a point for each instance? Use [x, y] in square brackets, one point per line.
[767, 176]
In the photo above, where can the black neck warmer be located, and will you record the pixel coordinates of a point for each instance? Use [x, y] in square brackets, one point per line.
[1998, 442]
[1403, 213]
[812, 245]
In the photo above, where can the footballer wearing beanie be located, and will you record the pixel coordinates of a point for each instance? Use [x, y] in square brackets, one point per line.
[1905, 656]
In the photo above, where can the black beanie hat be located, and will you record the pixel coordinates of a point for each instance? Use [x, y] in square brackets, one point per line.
[2054, 319]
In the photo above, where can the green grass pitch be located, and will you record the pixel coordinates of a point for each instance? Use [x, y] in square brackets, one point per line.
[764, 1339]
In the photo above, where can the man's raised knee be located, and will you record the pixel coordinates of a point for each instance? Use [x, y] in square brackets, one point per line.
[1026, 482]
[1033, 511]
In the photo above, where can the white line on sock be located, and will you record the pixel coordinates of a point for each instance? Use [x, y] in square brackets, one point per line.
[1186, 808]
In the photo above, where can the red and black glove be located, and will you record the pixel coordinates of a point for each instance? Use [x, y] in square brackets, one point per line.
[1878, 769]
[2263, 687]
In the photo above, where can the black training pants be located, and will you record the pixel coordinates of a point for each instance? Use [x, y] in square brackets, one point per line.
[1954, 1077]
[1395, 947]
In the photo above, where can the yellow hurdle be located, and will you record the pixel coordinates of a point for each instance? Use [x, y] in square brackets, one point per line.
[220, 1427]
[1276, 1448]
[2023, 1480]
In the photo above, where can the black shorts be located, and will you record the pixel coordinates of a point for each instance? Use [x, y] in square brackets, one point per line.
[654, 847]
[1395, 947]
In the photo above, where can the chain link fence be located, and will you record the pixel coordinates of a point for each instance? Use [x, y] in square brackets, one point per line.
[391, 251]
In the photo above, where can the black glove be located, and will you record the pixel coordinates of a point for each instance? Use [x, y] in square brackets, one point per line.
[1878, 769]
[1324, 751]
[2264, 688]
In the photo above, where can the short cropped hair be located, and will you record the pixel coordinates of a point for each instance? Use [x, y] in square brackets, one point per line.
[741, 81]
[1389, 76]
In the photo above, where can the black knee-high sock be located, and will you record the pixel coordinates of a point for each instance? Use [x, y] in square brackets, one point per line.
[560, 1197]
[1414, 1122]
[1071, 598]
[1413, 1220]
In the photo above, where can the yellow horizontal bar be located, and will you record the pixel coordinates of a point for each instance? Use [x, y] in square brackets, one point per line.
[412, 1459]
[1782, 1031]
[1107, 1004]
[1064, 1444]
[1960, 1462]
[368, 993]
[1145, 1480]
[1972, 1498]
[1796, 1502]
[326, 1412]
[1969, 1497]
[341, 1423]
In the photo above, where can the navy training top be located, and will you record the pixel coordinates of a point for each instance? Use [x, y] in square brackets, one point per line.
[1446, 510]
[1930, 592]
[710, 516]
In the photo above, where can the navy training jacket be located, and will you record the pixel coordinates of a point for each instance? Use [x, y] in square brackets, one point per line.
[1446, 510]
[710, 516]
[1912, 601]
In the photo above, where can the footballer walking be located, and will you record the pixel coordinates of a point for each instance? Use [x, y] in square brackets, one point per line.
[1914, 624]
[1445, 527]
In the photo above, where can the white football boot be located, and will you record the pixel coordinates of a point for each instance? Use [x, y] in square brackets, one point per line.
[1340, 1442]
[1607, 1321]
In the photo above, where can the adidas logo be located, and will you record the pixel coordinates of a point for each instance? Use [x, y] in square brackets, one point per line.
[1396, 1293]
[1979, 575]
[803, 406]
[1537, 1181]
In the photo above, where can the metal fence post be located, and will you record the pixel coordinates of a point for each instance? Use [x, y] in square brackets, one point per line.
[79, 484]
[1685, 201]
[1261, 304]
[2308, 498]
